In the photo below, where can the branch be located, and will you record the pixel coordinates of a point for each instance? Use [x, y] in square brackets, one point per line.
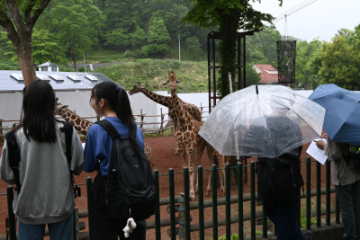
[16, 16]
[9, 27]
[37, 13]
[28, 11]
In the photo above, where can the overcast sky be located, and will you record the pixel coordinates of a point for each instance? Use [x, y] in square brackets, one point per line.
[322, 18]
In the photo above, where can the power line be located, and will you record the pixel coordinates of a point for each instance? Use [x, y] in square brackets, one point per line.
[294, 10]
[282, 14]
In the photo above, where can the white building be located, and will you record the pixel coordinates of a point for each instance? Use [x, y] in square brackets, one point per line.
[49, 67]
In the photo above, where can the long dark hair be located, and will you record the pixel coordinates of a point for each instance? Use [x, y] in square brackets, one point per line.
[117, 99]
[37, 117]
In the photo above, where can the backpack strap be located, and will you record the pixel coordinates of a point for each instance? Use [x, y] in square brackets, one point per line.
[109, 128]
[132, 130]
[14, 157]
[68, 129]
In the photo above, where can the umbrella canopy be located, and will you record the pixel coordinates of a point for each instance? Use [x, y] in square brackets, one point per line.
[342, 118]
[264, 123]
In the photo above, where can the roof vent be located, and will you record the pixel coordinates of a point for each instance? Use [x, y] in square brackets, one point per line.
[57, 77]
[75, 78]
[17, 76]
[42, 77]
[91, 78]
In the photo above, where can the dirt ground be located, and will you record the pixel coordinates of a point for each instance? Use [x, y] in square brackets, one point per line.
[163, 157]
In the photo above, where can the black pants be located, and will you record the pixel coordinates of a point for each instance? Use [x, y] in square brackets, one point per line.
[110, 229]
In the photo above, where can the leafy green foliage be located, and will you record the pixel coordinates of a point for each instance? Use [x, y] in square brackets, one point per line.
[228, 16]
[261, 47]
[340, 63]
[76, 24]
[44, 48]
[305, 74]
[252, 77]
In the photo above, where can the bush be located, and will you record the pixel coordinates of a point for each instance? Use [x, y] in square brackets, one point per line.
[128, 54]
[175, 65]
[81, 69]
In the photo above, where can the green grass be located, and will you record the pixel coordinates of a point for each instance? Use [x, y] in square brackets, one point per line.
[167, 133]
[104, 56]
[153, 73]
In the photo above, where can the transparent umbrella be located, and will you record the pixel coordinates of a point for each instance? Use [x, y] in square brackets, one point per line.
[263, 121]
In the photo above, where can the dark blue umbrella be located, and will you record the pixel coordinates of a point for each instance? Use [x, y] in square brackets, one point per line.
[342, 118]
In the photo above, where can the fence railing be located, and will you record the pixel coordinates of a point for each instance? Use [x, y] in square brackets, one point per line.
[142, 122]
[182, 206]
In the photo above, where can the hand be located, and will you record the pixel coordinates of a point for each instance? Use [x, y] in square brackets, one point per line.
[321, 144]
[324, 135]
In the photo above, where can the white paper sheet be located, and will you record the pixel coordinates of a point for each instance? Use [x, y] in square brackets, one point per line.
[316, 152]
[83, 144]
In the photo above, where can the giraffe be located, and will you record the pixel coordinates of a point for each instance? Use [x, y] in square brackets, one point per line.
[186, 135]
[82, 125]
[167, 102]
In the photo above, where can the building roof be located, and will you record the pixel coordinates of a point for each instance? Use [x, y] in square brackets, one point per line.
[267, 72]
[48, 64]
[66, 80]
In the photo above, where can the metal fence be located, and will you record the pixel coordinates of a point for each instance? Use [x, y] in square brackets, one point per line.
[180, 227]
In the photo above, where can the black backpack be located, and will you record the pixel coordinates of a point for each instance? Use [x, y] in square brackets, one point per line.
[352, 159]
[279, 179]
[129, 189]
[15, 157]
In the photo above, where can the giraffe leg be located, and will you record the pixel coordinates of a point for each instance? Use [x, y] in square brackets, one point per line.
[190, 151]
[209, 151]
[221, 164]
[200, 146]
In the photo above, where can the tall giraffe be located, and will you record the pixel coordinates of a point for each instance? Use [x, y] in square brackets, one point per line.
[187, 138]
[81, 125]
[167, 102]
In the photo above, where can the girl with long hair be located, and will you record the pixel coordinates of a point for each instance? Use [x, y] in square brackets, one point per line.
[112, 102]
[46, 195]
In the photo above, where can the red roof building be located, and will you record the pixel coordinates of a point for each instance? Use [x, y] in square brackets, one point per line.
[269, 75]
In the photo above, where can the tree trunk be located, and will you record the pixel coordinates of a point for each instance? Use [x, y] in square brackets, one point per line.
[227, 50]
[24, 54]
[73, 56]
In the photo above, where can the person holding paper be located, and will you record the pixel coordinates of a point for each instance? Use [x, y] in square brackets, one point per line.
[347, 186]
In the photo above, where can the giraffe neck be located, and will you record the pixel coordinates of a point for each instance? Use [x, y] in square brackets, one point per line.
[163, 100]
[178, 109]
[80, 124]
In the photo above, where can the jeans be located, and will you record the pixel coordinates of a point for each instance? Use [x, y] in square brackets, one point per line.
[284, 216]
[63, 230]
[110, 229]
[349, 202]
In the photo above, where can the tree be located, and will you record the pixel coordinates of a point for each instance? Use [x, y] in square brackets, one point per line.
[44, 48]
[340, 63]
[305, 74]
[19, 18]
[252, 77]
[157, 38]
[261, 47]
[228, 16]
[75, 23]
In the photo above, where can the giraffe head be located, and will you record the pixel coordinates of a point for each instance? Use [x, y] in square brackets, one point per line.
[59, 108]
[137, 88]
[172, 81]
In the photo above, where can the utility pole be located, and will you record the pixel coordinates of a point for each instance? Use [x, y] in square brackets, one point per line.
[179, 48]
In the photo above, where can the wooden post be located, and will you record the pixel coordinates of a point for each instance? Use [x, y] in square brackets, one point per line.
[1, 130]
[162, 123]
[142, 119]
